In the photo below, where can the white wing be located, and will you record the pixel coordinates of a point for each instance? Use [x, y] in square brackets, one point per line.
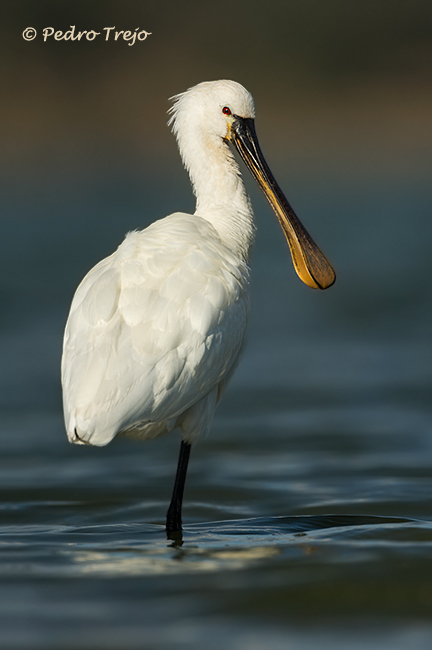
[152, 329]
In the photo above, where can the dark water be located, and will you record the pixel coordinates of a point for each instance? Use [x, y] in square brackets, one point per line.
[308, 509]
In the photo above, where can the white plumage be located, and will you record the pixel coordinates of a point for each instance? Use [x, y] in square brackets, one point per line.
[154, 330]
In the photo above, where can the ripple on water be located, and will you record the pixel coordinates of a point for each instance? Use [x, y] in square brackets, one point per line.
[142, 549]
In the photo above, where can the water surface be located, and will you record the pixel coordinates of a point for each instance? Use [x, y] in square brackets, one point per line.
[308, 510]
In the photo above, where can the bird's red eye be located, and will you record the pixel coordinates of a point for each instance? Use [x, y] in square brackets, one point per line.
[226, 110]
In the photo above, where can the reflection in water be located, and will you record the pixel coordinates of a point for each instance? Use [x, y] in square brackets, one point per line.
[236, 545]
[134, 563]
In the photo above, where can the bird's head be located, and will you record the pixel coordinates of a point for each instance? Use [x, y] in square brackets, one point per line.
[215, 113]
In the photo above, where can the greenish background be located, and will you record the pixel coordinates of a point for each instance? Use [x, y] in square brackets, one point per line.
[308, 508]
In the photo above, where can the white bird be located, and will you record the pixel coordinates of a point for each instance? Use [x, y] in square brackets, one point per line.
[155, 329]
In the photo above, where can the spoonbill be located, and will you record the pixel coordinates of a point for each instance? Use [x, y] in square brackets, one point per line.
[155, 329]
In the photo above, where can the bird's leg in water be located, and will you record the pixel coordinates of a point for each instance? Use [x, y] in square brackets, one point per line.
[173, 519]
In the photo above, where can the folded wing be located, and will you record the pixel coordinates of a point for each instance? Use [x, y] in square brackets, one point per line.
[152, 329]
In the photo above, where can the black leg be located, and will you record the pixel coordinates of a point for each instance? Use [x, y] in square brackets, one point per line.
[173, 519]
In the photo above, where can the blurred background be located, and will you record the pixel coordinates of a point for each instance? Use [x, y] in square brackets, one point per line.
[343, 99]
[330, 409]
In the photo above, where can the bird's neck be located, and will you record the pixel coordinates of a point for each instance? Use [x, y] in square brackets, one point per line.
[221, 196]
